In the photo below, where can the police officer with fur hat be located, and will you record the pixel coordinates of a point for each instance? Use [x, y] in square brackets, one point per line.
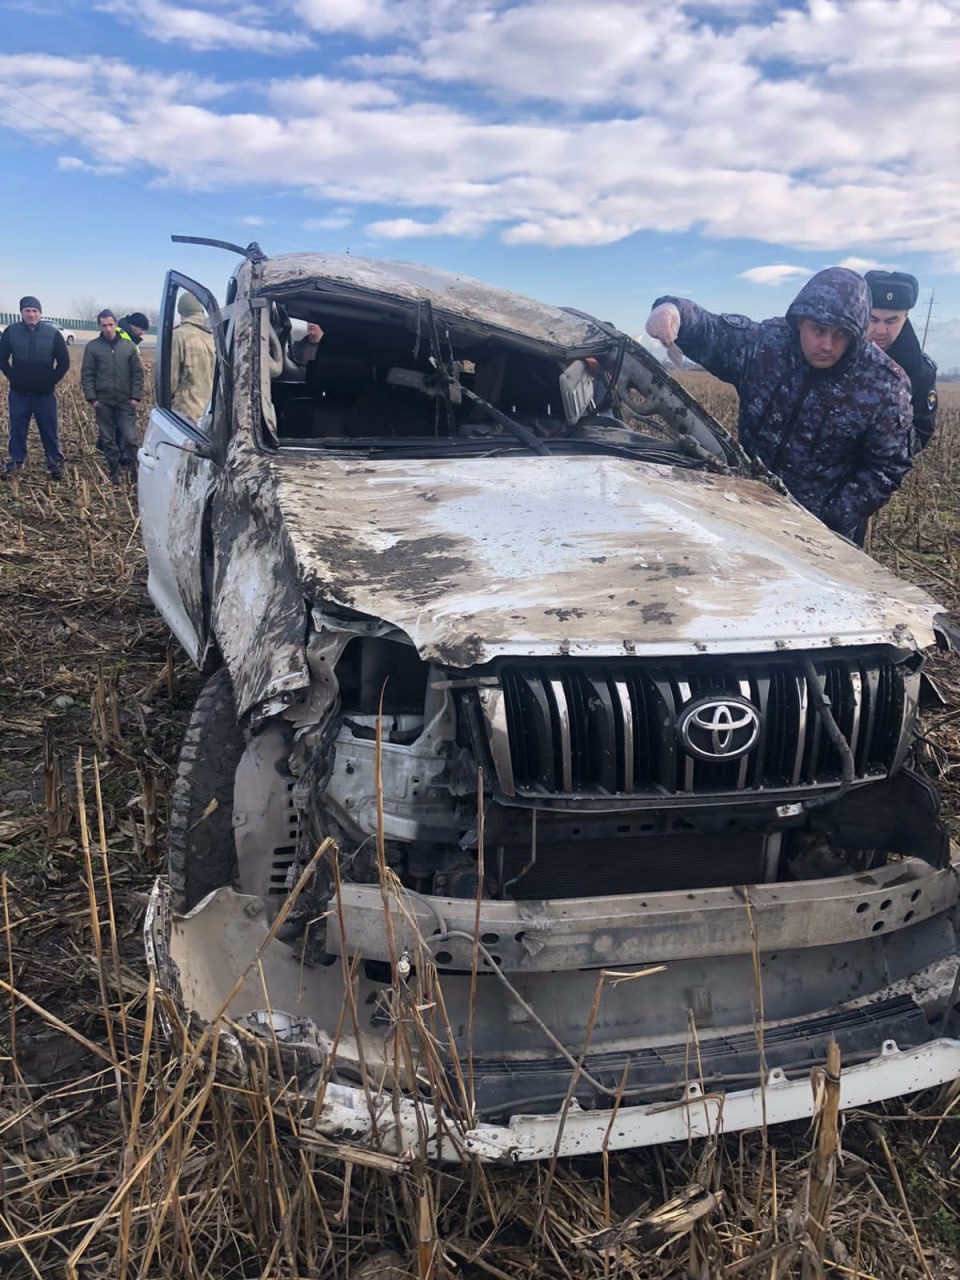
[892, 294]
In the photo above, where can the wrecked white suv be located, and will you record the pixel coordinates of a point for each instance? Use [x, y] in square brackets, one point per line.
[551, 789]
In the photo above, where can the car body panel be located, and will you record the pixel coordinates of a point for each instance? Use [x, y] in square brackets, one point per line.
[259, 615]
[174, 484]
[411, 286]
[589, 556]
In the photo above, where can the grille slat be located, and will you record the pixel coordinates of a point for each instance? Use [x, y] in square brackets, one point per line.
[626, 733]
[611, 729]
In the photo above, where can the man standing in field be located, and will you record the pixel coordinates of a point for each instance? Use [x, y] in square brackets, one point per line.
[192, 360]
[821, 406]
[892, 294]
[33, 357]
[112, 381]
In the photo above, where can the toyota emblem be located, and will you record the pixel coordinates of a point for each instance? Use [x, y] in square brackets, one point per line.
[719, 728]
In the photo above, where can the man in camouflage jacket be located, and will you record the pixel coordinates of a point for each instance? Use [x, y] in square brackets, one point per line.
[819, 405]
[192, 360]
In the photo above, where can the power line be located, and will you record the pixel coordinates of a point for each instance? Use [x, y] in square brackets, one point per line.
[81, 137]
[34, 135]
[85, 138]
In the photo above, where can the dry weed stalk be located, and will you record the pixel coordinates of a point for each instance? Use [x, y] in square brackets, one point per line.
[823, 1162]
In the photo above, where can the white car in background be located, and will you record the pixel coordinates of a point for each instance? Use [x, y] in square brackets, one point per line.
[69, 335]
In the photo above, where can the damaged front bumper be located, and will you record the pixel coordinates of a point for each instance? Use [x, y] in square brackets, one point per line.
[345, 1113]
[665, 983]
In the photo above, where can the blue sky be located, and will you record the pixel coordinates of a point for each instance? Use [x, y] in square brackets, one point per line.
[593, 156]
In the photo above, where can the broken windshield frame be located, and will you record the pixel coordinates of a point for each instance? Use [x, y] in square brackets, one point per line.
[391, 378]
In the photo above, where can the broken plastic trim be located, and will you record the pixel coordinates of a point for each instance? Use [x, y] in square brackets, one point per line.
[400, 1129]
[947, 633]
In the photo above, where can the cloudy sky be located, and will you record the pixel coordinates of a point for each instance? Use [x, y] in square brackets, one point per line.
[594, 155]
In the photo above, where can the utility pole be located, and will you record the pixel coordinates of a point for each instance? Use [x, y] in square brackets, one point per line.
[923, 344]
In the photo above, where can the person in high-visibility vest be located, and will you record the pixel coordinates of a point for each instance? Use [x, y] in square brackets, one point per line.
[133, 326]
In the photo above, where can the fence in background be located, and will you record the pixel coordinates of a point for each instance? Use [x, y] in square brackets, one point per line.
[8, 317]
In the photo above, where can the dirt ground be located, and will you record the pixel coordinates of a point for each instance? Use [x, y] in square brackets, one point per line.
[125, 1155]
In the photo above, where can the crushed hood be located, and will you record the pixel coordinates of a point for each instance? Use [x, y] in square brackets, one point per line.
[474, 558]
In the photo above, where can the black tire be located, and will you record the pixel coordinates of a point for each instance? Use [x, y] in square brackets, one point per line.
[201, 852]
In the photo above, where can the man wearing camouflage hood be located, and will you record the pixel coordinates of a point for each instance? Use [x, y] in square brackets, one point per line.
[819, 405]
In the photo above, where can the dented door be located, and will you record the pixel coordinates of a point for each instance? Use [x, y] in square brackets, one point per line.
[179, 464]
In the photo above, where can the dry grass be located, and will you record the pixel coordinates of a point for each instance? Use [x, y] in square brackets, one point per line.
[126, 1155]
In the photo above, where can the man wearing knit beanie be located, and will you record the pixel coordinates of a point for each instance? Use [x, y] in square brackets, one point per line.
[133, 326]
[892, 294]
[33, 357]
[192, 360]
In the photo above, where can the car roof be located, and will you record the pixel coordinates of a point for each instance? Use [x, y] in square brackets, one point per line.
[457, 297]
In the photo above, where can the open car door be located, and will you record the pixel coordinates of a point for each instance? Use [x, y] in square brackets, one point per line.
[181, 456]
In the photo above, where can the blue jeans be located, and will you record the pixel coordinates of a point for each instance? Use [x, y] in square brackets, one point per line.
[23, 407]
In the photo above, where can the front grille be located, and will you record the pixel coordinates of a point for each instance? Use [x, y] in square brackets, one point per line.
[599, 729]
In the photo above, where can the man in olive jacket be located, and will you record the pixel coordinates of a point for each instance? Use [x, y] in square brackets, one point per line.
[112, 381]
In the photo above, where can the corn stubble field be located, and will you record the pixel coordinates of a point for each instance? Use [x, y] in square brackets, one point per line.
[124, 1154]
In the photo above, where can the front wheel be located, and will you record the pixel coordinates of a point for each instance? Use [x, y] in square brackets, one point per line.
[201, 852]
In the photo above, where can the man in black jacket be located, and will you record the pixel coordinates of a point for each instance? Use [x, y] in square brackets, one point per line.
[33, 357]
[892, 294]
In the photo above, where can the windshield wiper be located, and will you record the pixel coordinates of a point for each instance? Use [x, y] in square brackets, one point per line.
[517, 429]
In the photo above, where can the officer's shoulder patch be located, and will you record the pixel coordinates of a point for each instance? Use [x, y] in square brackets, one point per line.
[734, 321]
[931, 399]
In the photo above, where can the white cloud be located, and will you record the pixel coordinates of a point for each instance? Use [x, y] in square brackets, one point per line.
[73, 164]
[313, 96]
[254, 220]
[199, 29]
[859, 264]
[524, 120]
[335, 222]
[778, 273]
[374, 18]
[458, 223]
